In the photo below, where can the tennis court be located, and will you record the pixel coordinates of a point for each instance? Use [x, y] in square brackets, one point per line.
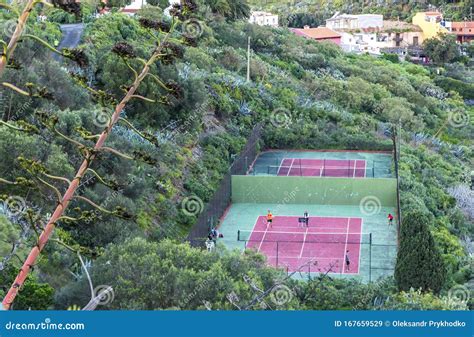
[321, 167]
[344, 214]
[290, 242]
[347, 164]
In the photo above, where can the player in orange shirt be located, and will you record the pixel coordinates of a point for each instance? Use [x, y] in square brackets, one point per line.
[269, 218]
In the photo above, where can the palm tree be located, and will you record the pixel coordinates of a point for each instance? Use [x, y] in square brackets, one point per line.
[219, 7]
[239, 10]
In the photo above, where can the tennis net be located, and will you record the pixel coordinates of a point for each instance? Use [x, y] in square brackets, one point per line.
[319, 171]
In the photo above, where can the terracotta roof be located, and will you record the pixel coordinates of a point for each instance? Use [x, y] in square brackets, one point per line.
[317, 33]
[462, 28]
[400, 25]
[433, 13]
[463, 24]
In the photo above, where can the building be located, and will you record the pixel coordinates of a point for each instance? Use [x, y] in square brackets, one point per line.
[385, 36]
[264, 19]
[354, 22]
[430, 24]
[464, 31]
[134, 7]
[400, 34]
[318, 34]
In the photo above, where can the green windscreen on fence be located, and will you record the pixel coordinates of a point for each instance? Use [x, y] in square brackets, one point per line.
[313, 190]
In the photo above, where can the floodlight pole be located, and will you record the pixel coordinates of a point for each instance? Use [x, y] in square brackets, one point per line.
[248, 60]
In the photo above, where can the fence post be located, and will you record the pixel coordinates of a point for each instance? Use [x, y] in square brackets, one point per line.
[395, 157]
[277, 255]
[370, 257]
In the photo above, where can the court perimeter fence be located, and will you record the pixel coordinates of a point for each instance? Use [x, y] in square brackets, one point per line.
[377, 169]
[221, 199]
[376, 260]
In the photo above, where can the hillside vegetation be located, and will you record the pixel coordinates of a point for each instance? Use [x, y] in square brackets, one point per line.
[320, 97]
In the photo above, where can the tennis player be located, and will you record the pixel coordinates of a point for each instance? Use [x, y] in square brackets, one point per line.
[348, 261]
[269, 218]
[390, 219]
[306, 218]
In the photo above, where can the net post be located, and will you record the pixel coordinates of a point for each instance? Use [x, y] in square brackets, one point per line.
[324, 167]
[277, 254]
[370, 257]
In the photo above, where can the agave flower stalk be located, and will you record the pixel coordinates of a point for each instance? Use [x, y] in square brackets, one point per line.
[69, 195]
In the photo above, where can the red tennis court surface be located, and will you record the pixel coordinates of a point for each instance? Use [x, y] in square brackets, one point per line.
[290, 244]
[322, 167]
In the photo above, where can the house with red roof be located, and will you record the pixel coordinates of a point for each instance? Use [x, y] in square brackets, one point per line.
[464, 30]
[318, 34]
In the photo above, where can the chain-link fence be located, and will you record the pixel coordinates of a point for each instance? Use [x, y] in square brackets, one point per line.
[218, 204]
[322, 253]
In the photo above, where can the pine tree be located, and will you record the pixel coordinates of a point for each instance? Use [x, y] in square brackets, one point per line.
[419, 262]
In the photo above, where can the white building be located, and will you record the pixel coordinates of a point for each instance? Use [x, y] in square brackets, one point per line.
[353, 22]
[369, 33]
[264, 19]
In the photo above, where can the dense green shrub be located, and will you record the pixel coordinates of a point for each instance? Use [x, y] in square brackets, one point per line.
[419, 263]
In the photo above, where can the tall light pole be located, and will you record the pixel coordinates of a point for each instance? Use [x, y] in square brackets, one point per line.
[248, 60]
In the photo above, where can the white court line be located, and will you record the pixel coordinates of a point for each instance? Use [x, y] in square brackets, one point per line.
[296, 257]
[355, 165]
[302, 233]
[345, 246]
[291, 166]
[263, 238]
[281, 165]
[304, 240]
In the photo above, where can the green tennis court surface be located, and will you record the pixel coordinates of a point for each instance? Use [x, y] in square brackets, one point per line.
[324, 164]
[347, 213]
[376, 258]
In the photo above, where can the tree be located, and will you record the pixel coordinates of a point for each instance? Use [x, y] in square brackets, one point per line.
[34, 295]
[239, 9]
[419, 262]
[159, 3]
[118, 3]
[169, 275]
[470, 49]
[442, 50]
[92, 142]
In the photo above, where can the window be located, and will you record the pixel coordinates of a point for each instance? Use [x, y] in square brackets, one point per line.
[415, 40]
